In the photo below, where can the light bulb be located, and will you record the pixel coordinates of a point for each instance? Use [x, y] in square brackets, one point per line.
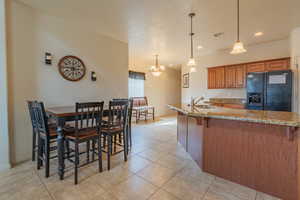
[191, 62]
[238, 48]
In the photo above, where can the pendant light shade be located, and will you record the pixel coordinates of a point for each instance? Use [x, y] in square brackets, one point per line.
[157, 69]
[192, 62]
[238, 45]
[238, 48]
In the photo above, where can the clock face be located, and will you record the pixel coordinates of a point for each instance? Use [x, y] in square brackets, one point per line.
[71, 68]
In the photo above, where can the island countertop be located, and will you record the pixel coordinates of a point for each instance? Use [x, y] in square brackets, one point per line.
[256, 116]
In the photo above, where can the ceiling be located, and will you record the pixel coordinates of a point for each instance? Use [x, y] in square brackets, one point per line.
[162, 26]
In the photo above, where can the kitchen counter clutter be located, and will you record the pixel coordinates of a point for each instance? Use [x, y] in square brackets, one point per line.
[257, 116]
[258, 149]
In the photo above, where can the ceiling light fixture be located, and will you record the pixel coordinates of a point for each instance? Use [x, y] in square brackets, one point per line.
[258, 34]
[200, 47]
[238, 46]
[192, 62]
[157, 69]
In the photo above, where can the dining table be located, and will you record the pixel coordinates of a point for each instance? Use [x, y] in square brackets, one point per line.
[61, 115]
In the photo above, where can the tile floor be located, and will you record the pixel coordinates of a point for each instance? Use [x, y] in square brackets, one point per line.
[158, 169]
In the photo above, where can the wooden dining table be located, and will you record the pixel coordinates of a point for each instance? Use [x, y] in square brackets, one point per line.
[62, 115]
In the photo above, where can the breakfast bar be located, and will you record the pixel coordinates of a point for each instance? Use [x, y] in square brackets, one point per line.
[257, 149]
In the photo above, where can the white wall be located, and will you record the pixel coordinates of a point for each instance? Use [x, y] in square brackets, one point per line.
[31, 35]
[4, 136]
[295, 54]
[162, 90]
[198, 80]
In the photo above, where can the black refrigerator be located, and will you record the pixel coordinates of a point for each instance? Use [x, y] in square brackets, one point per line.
[270, 90]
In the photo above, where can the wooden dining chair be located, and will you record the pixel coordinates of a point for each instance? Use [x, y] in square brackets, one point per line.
[88, 122]
[117, 124]
[46, 135]
[130, 106]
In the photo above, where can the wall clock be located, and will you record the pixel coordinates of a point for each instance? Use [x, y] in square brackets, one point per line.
[71, 68]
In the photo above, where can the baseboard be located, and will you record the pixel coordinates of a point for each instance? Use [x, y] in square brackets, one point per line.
[4, 167]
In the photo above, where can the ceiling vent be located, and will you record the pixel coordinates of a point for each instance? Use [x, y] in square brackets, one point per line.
[216, 35]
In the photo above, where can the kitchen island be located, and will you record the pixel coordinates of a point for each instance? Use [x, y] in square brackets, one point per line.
[258, 149]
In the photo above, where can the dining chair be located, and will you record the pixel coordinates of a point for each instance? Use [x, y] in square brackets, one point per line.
[116, 125]
[87, 129]
[46, 135]
[130, 107]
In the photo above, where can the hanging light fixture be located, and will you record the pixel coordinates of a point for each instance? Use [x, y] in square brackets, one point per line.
[192, 62]
[238, 46]
[157, 69]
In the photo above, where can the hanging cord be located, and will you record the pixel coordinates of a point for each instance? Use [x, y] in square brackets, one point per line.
[192, 34]
[238, 20]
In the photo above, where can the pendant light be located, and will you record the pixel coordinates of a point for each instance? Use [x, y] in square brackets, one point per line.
[238, 46]
[157, 69]
[192, 62]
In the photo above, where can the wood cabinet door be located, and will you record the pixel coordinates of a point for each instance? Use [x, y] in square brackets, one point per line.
[256, 67]
[240, 76]
[220, 77]
[182, 129]
[276, 65]
[211, 79]
[230, 77]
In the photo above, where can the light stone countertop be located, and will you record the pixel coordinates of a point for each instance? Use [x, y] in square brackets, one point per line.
[256, 116]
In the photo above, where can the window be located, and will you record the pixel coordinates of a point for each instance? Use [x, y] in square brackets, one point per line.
[136, 84]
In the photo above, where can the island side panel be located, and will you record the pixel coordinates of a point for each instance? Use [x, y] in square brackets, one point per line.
[195, 139]
[256, 155]
[182, 129]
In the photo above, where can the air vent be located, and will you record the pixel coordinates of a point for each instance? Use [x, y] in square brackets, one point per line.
[218, 34]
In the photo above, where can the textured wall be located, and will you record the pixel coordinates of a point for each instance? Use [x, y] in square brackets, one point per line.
[31, 35]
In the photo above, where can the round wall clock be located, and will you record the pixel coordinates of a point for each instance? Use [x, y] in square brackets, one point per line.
[71, 68]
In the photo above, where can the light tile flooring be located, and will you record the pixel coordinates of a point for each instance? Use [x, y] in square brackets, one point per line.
[158, 169]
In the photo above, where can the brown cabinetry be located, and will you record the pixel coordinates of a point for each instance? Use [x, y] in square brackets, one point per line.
[235, 76]
[240, 77]
[277, 65]
[230, 77]
[256, 67]
[216, 78]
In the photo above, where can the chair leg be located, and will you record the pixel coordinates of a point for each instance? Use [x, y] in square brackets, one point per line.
[115, 142]
[40, 153]
[68, 149]
[125, 137]
[33, 145]
[100, 154]
[93, 150]
[47, 158]
[129, 135]
[88, 151]
[76, 162]
[153, 114]
[109, 151]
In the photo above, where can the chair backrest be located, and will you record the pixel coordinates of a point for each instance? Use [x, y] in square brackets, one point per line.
[130, 106]
[139, 101]
[88, 115]
[31, 114]
[118, 113]
[39, 117]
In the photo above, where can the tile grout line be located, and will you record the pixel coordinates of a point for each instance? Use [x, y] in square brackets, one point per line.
[45, 186]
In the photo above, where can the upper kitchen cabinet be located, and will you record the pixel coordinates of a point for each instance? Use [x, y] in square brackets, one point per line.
[216, 78]
[235, 76]
[240, 76]
[275, 65]
[230, 77]
[256, 67]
